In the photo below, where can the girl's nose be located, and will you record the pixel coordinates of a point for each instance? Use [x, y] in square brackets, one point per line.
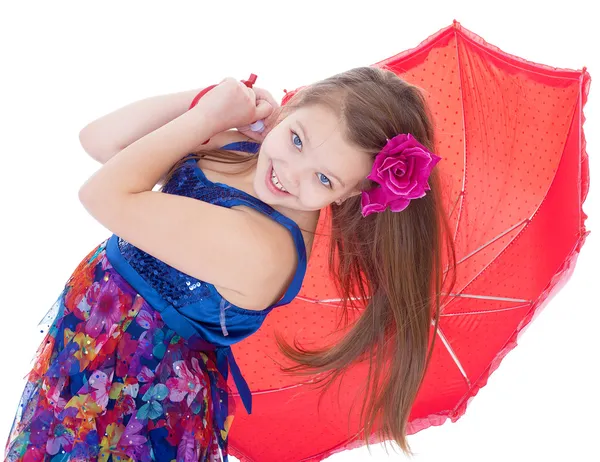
[288, 180]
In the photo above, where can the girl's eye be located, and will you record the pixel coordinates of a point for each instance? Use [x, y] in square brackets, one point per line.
[295, 136]
[328, 182]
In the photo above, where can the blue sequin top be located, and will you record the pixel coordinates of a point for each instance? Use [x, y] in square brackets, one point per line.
[191, 307]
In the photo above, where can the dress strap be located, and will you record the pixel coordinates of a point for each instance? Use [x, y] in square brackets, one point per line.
[239, 197]
[244, 146]
[296, 284]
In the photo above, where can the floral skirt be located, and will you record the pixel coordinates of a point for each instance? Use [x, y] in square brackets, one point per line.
[112, 382]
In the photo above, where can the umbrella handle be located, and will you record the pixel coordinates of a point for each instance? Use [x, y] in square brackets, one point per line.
[257, 126]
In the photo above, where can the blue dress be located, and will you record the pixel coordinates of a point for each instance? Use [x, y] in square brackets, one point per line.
[135, 362]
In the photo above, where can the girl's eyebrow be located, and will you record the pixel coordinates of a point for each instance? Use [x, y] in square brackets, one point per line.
[331, 174]
[304, 132]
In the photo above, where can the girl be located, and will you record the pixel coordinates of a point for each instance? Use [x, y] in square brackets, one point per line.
[135, 363]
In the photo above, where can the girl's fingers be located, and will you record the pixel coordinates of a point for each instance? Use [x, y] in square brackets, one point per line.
[262, 94]
[263, 109]
[251, 94]
[256, 136]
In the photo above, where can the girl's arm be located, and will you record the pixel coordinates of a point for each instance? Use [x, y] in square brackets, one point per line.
[105, 137]
[196, 237]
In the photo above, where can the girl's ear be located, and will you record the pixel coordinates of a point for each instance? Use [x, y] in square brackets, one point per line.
[354, 193]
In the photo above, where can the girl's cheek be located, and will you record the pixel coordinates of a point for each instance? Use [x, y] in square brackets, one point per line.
[313, 202]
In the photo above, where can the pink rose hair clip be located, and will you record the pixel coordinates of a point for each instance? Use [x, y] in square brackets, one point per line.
[401, 170]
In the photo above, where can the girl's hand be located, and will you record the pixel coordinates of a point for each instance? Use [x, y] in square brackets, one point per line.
[232, 104]
[262, 94]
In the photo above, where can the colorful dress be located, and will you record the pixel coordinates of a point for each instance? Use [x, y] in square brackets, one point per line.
[135, 362]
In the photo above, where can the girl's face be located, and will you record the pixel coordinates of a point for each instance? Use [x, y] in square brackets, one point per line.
[311, 160]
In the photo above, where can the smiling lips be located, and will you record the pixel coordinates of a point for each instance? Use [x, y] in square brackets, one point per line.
[274, 184]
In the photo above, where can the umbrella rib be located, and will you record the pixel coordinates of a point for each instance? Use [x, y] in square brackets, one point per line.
[493, 240]
[453, 355]
[326, 301]
[490, 297]
[274, 390]
[462, 106]
[487, 311]
[457, 201]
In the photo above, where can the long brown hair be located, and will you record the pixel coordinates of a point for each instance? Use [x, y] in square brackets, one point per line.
[391, 260]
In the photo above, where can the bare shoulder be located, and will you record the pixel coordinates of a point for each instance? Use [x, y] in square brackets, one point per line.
[281, 262]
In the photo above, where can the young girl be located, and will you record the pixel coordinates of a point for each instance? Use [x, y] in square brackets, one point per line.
[135, 363]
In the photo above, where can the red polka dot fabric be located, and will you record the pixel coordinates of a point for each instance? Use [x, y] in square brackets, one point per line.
[515, 176]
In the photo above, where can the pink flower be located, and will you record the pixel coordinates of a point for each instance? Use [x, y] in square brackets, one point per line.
[401, 169]
[63, 437]
[108, 307]
[101, 384]
[131, 436]
[188, 383]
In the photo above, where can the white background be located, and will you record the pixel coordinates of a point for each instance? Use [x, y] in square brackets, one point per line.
[65, 64]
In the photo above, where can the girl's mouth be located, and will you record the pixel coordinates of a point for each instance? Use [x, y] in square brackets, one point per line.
[274, 184]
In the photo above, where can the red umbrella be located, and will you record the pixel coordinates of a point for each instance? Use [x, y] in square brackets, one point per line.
[516, 174]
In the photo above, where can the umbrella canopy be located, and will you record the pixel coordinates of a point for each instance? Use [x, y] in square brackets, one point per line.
[515, 175]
